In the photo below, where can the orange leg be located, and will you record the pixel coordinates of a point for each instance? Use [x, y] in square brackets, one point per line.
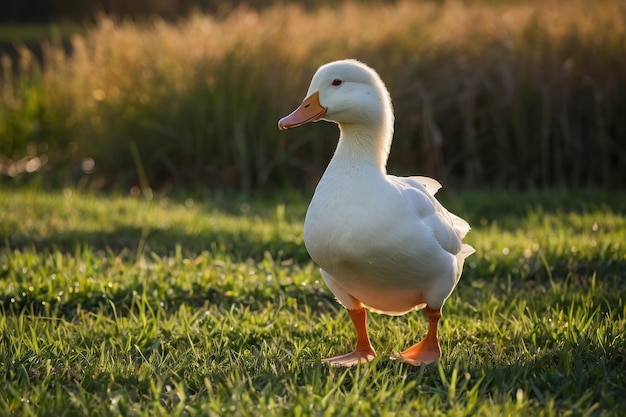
[364, 352]
[428, 350]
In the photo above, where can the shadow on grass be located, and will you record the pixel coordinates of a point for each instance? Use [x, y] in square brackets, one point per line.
[510, 208]
[163, 242]
[132, 244]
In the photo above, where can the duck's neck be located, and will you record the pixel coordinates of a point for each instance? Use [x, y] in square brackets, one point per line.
[364, 145]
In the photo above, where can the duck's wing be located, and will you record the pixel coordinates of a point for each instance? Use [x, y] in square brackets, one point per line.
[447, 228]
[431, 185]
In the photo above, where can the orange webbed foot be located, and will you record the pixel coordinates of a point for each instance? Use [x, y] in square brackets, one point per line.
[360, 355]
[428, 350]
[364, 352]
[422, 353]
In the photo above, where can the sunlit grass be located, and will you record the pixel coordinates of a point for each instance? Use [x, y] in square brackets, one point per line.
[207, 304]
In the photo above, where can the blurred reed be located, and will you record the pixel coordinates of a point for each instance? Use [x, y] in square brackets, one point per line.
[521, 94]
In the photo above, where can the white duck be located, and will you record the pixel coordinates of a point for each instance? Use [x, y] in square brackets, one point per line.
[383, 242]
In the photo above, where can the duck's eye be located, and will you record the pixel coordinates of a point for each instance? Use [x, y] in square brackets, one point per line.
[336, 82]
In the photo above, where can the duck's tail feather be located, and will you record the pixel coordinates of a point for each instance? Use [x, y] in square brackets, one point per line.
[460, 225]
[466, 250]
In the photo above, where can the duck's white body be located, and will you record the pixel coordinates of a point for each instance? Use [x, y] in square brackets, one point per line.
[382, 241]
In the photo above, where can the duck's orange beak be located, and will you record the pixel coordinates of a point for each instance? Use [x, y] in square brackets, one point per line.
[309, 111]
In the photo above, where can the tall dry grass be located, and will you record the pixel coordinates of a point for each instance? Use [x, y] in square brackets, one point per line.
[524, 94]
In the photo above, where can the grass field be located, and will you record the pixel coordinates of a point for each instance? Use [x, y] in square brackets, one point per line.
[209, 305]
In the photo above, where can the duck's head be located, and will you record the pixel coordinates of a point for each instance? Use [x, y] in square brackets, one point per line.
[346, 92]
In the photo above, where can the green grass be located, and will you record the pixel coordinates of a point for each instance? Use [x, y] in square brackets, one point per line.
[209, 305]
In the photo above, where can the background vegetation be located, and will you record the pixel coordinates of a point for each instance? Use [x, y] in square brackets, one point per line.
[54, 10]
[487, 94]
